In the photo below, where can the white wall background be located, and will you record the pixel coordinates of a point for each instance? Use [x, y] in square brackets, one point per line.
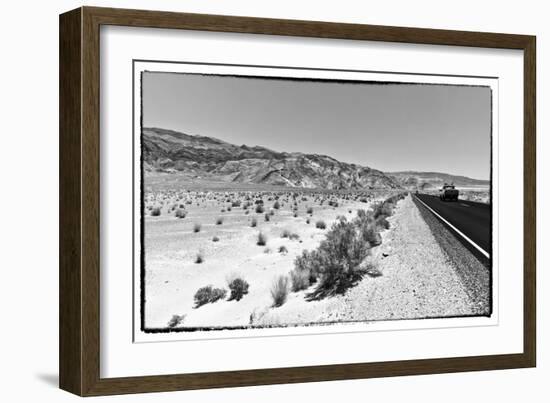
[29, 197]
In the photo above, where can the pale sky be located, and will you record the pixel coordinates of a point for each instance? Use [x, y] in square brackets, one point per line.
[390, 127]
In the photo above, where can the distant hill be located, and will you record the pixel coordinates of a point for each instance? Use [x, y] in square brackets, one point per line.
[413, 180]
[200, 156]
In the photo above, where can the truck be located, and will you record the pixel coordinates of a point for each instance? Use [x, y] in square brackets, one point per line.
[448, 192]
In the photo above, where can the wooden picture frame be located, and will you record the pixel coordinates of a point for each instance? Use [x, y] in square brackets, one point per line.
[79, 348]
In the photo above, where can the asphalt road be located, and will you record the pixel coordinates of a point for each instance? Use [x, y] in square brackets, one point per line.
[471, 218]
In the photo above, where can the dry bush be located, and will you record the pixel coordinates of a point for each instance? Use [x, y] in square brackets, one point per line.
[238, 286]
[320, 224]
[199, 258]
[208, 294]
[279, 290]
[300, 279]
[155, 212]
[181, 213]
[219, 221]
[175, 321]
[370, 234]
[215, 239]
[262, 239]
[197, 227]
[337, 259]
[254, 222]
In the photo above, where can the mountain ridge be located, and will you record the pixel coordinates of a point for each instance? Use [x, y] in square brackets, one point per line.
[200, 156]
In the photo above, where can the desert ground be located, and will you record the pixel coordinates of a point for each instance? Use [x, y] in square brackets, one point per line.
[204, 237]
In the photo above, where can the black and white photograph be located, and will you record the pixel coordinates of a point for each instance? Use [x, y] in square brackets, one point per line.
[291, 201]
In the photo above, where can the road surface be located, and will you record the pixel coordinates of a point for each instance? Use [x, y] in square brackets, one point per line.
[472, 219]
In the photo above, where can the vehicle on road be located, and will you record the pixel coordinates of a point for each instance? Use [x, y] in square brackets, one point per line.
[448, 192]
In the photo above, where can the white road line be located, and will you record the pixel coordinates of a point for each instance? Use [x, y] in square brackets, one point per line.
[457, 230]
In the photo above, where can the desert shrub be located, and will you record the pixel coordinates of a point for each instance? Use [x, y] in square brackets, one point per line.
[197, 227]
[336, 261]
[283, 249]
[262, 239]
[267, 217]
[267, 250]
[309, 210]
[215, 239]
[229, 208]
[236, 203]
[320, 224]
[219, 221]
[155, 212]
[277, 205]
[370, 234]
[176, 320]
[254, 222]
[279, 290]
[299, 280]
[181, 213]
[308, 221]
[384, 209]
[238, 287]
[208, 294]
[260, 208]
[363, 218]
[306, 263]
[295, 214]
[285, 233]
[294, 236]
[382, 222]
[199, 258]
[246, 212]
[271, 212]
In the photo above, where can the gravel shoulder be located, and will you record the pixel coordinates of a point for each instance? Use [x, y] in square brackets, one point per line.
[474, 275]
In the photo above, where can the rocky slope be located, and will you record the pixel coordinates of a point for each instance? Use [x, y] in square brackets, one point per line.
[171, 151]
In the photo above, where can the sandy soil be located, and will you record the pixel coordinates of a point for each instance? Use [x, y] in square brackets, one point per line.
[173, 277]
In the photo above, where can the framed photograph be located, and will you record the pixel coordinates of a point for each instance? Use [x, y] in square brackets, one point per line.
[249, 201]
